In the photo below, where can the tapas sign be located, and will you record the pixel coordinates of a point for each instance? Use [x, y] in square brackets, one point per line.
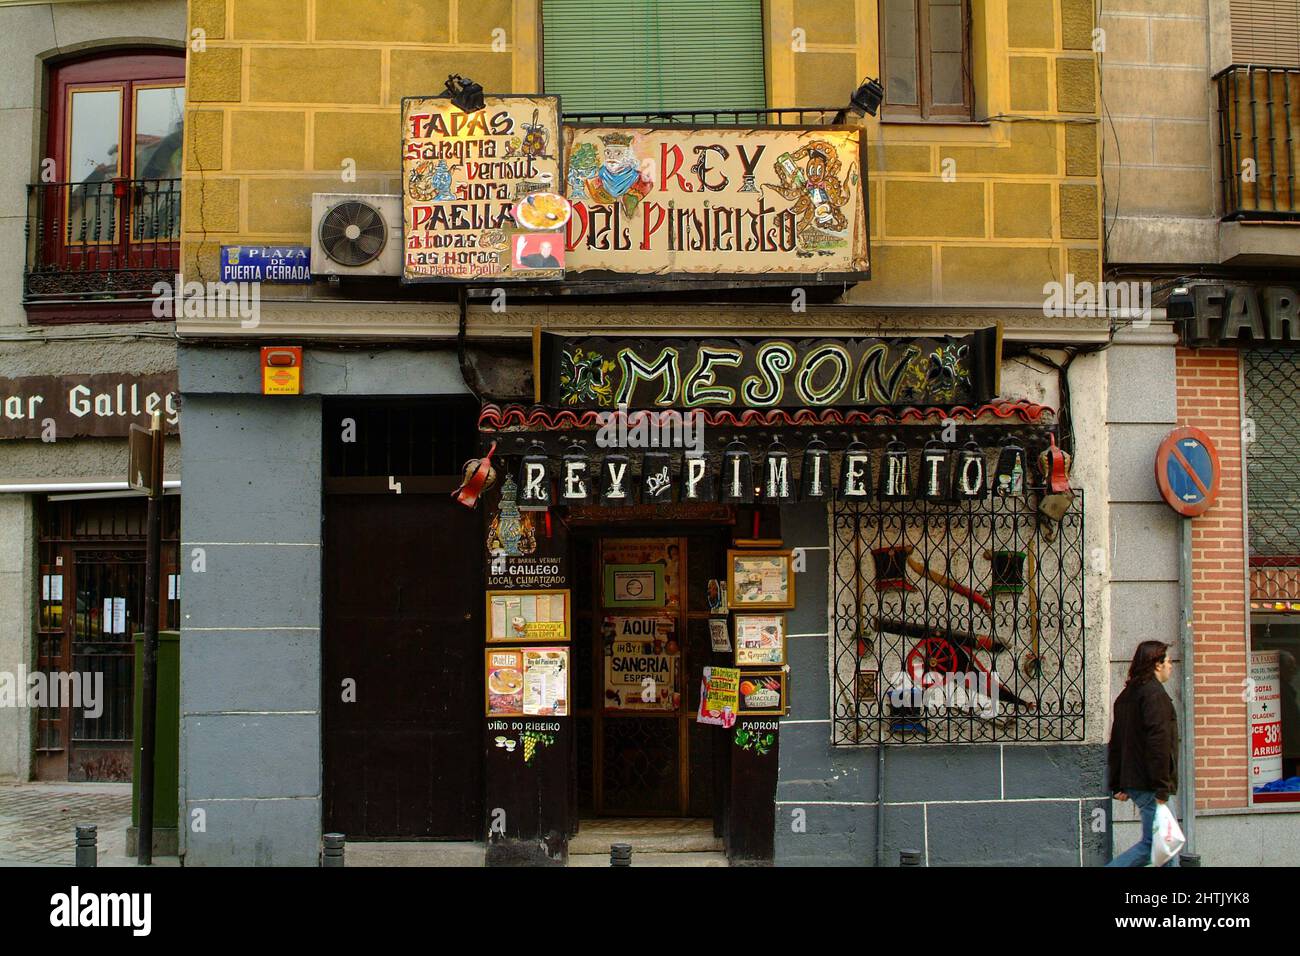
[481, 190]
[516, 616]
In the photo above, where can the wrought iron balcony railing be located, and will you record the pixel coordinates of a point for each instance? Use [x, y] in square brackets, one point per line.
[1259, 136]
[104, 239]
[785, 116]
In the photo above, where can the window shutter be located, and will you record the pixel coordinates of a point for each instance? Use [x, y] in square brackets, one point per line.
[640, 55]
[1266, 32]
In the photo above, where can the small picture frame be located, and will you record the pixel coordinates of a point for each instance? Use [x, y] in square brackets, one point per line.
[717, 596]
[763, 692]
[527, 616]
[634, 585]
[760, 579]
[868, 685]
[760, 640]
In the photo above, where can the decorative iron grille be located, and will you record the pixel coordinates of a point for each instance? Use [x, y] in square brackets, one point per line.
[957, 623]
[1272, 379]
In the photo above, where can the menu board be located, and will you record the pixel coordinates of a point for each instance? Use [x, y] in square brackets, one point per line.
[527, 682]
[760, 639]
[481, 190]
[527, 616]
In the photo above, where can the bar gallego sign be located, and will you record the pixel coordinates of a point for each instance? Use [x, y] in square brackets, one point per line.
[96, 406]
[464, 175]
[776, 201]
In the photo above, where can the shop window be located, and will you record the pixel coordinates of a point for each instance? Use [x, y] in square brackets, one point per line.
[957, 623]
[925, 51]
[1272, 436]
[1275, 708]
[652, 55]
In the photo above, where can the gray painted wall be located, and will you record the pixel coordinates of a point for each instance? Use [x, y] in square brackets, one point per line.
[250, 638]
[1013, 805]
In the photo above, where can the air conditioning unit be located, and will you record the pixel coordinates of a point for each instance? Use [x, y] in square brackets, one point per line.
[356, 234]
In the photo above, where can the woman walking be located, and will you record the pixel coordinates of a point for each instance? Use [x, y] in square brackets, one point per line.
[1143, 753]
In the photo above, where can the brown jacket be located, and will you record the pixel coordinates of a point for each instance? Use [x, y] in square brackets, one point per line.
[1143, 752]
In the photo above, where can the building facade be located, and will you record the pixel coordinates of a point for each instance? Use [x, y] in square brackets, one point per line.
[340, 602]
[93, 99]
[1197, 153]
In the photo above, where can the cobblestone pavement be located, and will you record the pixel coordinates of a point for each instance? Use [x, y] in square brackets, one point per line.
[37, 822]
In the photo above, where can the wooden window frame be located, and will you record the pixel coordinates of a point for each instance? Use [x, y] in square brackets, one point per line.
[925, 111]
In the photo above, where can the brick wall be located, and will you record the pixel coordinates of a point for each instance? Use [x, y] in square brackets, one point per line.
[1209, 398]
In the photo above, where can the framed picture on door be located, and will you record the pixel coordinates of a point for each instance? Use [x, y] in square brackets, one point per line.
[634, 585]
[760, 579]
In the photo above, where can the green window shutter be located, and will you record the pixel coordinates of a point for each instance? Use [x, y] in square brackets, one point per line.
[639, 55]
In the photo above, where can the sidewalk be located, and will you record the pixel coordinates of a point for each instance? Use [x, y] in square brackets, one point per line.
[38, 821]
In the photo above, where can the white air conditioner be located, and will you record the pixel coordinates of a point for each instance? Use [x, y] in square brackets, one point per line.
[356, 234]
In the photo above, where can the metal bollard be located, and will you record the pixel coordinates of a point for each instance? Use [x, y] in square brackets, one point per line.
[1189, 859]
[909, 857]
[620, 854]
[332, 854]
[87, 853]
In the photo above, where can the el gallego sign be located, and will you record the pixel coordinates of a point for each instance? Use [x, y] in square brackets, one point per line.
[86, 406]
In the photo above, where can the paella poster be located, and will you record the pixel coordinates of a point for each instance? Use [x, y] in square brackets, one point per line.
[532, 682]
[481, 191]
[716, 201]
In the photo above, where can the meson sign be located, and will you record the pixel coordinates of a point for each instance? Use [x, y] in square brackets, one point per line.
[92, 406]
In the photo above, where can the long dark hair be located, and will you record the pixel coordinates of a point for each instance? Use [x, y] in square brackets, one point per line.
[1145, 659]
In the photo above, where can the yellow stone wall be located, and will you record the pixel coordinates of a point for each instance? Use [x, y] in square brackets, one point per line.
[285, 91]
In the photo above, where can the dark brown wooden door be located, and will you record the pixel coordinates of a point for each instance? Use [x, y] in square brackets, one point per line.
[403, 619]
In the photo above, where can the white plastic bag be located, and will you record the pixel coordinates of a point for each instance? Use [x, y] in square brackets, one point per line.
[1166, 836]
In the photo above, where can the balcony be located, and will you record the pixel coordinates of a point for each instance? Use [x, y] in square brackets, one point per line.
[1259, 133]
[96, 248]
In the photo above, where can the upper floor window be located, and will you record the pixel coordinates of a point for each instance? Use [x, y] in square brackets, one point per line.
[106, 218]
[925, 49]
[649, 55]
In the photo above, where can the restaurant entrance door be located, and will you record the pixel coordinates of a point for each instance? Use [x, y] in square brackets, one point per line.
[649, 643]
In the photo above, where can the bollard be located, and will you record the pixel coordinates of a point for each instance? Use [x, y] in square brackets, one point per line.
[87, 853]
[1189, 859]
[620, 854]
[332, 854]
[909, 857]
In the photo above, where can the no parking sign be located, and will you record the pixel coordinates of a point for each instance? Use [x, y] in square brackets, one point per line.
[1187, 471]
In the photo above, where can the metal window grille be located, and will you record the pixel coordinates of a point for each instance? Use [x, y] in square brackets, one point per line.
[1272, 427]
[915, 661]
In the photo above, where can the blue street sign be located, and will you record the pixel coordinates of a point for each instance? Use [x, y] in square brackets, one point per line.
[1187, 471]
[287, 264]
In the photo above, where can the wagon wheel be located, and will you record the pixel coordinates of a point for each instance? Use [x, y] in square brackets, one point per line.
[932, 654]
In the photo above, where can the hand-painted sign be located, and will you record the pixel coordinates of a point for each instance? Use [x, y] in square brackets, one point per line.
[719, 696]
[1187, 471]
[710, 201]
[97, 406]
[770, 373]
[480, 190]
[288, 264]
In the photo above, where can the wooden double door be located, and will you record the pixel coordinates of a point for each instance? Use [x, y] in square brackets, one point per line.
[642, 753]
